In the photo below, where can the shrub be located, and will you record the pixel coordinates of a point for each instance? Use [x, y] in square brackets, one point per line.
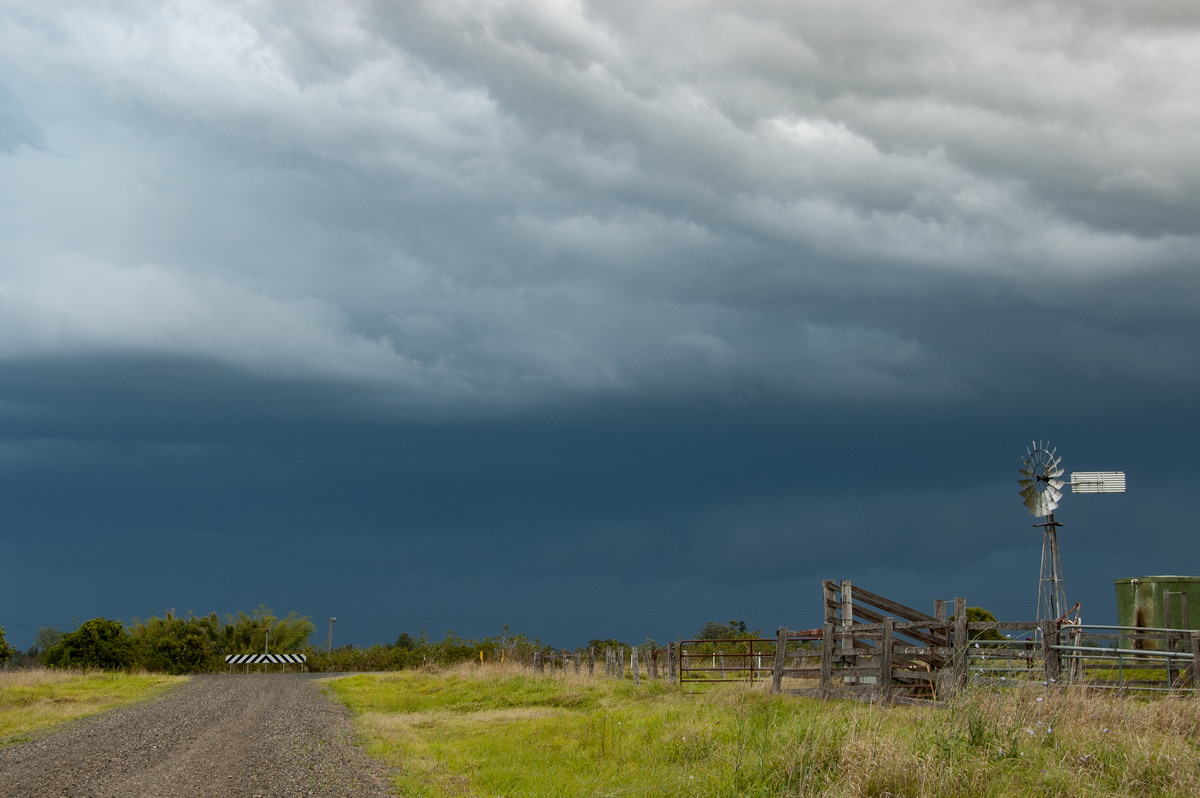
[176, 645]
[6, 649]
[98, 643]
[980, 615]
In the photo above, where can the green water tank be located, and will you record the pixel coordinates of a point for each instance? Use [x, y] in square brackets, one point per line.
[1159, 602]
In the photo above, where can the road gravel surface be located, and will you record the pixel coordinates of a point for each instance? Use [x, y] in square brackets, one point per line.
[227, 735]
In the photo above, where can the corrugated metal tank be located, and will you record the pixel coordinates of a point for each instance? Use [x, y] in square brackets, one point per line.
[1159, 602]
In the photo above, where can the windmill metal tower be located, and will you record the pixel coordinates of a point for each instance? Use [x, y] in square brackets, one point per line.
[1041, 488]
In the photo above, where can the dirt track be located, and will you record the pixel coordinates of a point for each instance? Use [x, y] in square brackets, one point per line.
[239, 735]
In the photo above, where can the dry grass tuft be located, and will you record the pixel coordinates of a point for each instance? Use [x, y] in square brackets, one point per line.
[33, 700]
[35, 677]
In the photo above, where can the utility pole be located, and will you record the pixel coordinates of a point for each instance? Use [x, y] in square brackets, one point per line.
[331, 620]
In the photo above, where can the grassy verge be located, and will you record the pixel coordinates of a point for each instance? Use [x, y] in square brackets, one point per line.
[489, 732]
[31, 701]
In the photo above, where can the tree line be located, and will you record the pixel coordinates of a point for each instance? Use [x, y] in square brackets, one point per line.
[167, 644]
[198, 644]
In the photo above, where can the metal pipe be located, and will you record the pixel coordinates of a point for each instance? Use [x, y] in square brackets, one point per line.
[1147, 653]
[1133, 629]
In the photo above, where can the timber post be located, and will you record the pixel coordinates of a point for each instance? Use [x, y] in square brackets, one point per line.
[885, 657]
[847, 616]
[826, 659]
[959, 655]
[939, 612]
[781, 636]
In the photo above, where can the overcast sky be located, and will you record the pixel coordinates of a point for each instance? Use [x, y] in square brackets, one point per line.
[591, 318]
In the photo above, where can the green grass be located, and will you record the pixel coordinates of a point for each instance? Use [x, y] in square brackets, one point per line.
[33, 701]
[491, 732]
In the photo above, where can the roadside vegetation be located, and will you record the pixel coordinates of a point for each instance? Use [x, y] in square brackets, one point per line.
[496, 730]
[171, 644]
[176, 644]
[194, 644]
[422, 651]
[33, 700]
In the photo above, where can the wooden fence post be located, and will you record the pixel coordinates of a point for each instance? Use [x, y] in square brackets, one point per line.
[885, 657]
[958, 657]
[847, 616]
[781, 636]
[537, 661]
[943, 633]
[633, 665]
[591, 660]
[672, 663]
[620, 662]
[1051, 657]
[652, 664]
[826, 659]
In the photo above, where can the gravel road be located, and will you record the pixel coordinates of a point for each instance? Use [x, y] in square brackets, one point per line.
[229, 735]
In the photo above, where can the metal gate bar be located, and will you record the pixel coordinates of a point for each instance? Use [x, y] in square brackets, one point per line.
[747, 659]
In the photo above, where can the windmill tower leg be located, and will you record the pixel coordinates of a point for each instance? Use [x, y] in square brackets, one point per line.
[1051, 594]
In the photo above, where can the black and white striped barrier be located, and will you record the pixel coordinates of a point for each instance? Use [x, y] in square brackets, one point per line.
[282, 660]
[255, 659]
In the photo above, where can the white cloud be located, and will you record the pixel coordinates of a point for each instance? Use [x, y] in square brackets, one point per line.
[78, 306]
[516, 201]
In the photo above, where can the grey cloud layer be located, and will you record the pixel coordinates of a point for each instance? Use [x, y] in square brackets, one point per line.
[478, 204]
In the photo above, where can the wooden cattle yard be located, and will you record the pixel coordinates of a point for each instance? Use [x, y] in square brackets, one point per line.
[872, 648]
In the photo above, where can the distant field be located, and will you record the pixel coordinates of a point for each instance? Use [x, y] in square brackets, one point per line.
[495, 732]
[34, 700]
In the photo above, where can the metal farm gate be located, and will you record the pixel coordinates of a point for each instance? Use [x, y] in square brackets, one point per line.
[722, 661]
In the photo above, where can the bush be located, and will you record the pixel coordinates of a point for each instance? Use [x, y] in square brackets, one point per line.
[177, 645]
[980, 615]
[98, 643]
[246, 634]
[734, 630]
[6, 649]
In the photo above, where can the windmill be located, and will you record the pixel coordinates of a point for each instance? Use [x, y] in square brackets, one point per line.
[1041, 487]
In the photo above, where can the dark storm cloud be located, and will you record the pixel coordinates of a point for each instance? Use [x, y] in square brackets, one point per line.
[609, 291]
[506, 200]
